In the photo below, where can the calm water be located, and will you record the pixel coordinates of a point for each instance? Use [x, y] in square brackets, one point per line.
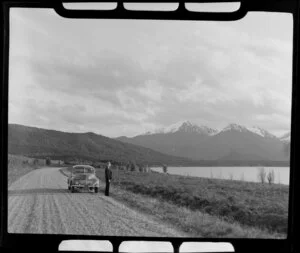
[282, 174]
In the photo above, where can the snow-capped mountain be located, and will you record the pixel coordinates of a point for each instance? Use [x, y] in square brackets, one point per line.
[261, 132]
[185, 127]
[169, 129]
[286, 137]
[234, 127]
[234, 142]
[189, 127]
[254, 129]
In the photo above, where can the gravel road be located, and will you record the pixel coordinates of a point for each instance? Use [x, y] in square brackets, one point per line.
[39, 202]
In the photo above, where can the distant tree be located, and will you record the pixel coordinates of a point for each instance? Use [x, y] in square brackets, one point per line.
[165, 168]
[133, 166]
[35, 161]
[262, 175]
[141, 168]
[211, 174]
[48, 161]
[137, 168]
[271, 177]
[25, 162]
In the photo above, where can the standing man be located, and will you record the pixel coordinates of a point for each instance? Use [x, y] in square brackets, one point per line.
[108, 177]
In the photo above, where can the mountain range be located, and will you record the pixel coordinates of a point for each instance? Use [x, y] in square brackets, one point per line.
[183, 144]
[234, 142]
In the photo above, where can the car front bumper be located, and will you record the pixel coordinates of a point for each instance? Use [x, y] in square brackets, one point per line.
[83, 187]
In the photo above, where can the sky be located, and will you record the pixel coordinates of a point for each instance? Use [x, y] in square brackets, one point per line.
[127, 77]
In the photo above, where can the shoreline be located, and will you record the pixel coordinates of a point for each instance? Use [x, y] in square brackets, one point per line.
[220, 166]
[279, 179]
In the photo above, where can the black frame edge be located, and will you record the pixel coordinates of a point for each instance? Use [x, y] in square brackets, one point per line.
[241, 245]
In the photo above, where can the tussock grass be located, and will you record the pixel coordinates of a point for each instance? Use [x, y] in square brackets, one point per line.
[18, 166]
[255, 205]
[204, 207]
[193, 222]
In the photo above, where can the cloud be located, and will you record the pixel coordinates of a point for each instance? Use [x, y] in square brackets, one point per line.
[123, 77]
[151, 90]
[201, 93]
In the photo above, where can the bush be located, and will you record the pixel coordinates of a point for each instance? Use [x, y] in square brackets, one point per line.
[48, 161]
[165, 168]
[134, 167]
[262, 175]
[271, 177]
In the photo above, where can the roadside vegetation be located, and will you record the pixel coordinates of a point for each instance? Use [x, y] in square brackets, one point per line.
[203, 206]
[18, 166]
[193, 222]
[263, 206]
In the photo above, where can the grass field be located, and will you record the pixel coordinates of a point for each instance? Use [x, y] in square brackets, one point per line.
[18, 166]
[252, 204]
[194, 222]
[209, 207]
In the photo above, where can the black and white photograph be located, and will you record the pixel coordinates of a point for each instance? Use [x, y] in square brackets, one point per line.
[149, 128]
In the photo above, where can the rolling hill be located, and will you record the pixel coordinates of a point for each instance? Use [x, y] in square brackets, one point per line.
[37, 142]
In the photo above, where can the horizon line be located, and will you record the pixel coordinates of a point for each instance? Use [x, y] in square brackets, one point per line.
[137, 134]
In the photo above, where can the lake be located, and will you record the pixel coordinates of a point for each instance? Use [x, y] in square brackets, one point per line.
[250, 174]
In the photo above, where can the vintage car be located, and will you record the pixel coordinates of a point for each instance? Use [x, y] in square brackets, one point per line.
[83, 177]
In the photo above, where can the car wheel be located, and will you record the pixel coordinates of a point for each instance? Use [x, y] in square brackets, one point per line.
[96, 189]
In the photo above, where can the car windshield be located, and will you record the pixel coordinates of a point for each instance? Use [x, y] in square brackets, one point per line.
[81, 170]
[78, 170]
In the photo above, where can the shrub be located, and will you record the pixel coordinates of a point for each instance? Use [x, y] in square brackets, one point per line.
[25, 162]
[262, 175]
[165, 168]
[134, 166]
[48, 161]
[141, 168]
[271, 177]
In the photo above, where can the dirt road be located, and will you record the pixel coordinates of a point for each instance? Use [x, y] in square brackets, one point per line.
[39, 202]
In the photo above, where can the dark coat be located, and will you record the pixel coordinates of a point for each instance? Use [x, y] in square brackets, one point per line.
[108, 174]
